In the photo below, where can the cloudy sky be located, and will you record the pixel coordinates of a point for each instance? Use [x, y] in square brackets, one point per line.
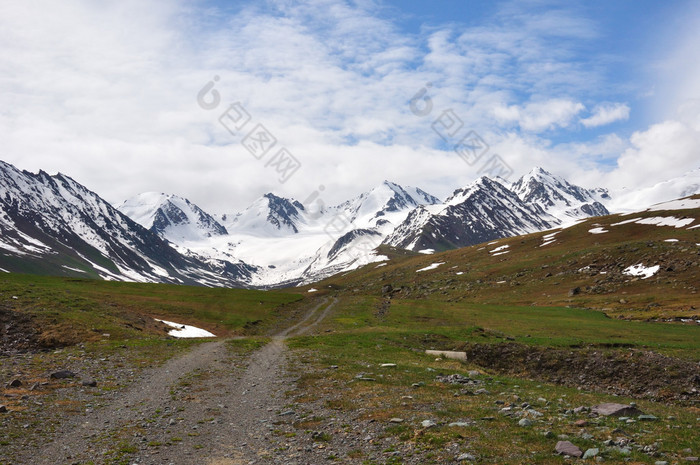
[132, 96]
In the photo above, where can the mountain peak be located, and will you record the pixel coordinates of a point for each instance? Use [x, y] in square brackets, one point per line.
[171, 216]
[269, 215]
[558, 197]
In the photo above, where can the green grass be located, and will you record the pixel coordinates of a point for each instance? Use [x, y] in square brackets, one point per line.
[531, 275]
[72, 310]
[456, 323]
[359, 342]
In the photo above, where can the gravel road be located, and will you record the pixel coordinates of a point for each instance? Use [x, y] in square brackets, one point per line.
[209, 406]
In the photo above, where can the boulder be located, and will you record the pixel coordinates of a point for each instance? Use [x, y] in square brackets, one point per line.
[63, 374]
[567, 448]
[428, 424]
[451, 354]
[611, 409]
[14, 383]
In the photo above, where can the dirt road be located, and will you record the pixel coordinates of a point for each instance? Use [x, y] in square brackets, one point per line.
[208, 407]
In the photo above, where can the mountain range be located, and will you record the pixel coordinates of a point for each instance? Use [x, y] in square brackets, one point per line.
[54, 225]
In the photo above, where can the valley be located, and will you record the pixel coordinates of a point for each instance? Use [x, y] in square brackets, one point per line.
[552, 324]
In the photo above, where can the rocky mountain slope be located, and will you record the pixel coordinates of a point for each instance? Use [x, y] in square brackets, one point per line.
[275, 241]
[54, 225]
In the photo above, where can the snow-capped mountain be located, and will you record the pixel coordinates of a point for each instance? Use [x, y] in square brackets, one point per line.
[289, 243]
[558, 197]
[383, 207]
[172, 217]
[270, 215]
[53, 225]
[484, 211]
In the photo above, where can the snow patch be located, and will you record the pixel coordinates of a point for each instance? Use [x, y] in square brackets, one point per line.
[430, 267]
[633, 220]
[185, 331]
[12, 248]
[427, 251]
[72, 269]
[312, 290]
[499, 249]
[681, 204]
[380, 265]
[667, 221]
[641, 270]
[597, 231]
[671, 240]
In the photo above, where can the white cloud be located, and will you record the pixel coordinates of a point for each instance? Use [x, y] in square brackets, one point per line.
[663, 151]
[540, 116]
[105, 92]
[606, 114]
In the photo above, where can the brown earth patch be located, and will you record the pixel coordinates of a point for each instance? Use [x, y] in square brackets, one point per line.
[634, 373]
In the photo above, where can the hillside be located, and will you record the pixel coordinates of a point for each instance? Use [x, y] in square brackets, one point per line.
[547, 325]
[586, 265]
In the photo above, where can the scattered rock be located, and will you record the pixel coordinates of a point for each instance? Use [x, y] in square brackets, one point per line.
[567, 448]
[466, 458]
[525, 422]
[396, 420]
[461, 424]
[456, 379]
[574, 291]
[14, 383]
[63, 374]
[428, 424]
[610, 409]
[3, 409]
[580, 423]
[90, 383]
[661, 462]
[647, 418]
[388, 365]
[590, 453]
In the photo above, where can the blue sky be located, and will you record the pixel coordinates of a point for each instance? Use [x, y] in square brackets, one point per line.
[604, 93]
